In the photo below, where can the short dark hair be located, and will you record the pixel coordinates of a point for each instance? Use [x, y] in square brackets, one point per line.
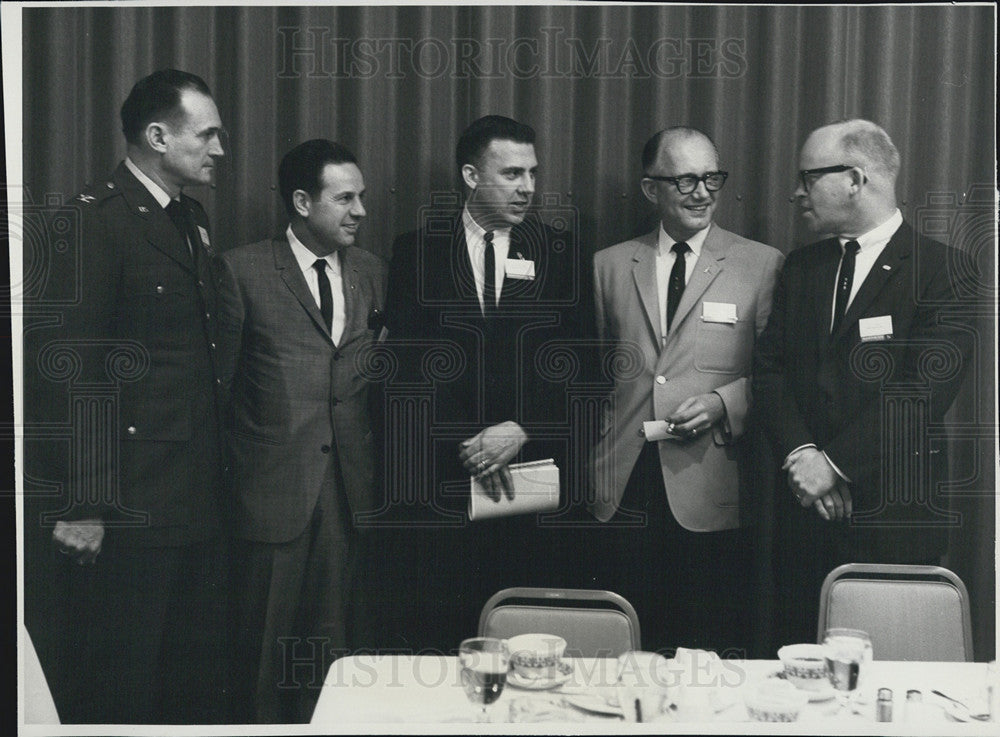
[652, 148]
[302, 167]
[156, 95]
[477, 137]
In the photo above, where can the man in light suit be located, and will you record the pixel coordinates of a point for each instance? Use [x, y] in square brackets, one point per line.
[296, 311]
[454, 283]
[691, 298]
[130, 354]
[859, 336]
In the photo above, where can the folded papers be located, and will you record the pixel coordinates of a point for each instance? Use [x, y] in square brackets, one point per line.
[536, 489]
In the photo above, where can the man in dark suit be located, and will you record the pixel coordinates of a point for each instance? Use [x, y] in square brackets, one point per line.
[140, 535]
[857, 361]
[296, 311]
[692, 297]
[489, 285]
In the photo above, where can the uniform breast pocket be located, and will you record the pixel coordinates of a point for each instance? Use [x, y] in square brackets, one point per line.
[164, 309]
[723, 348]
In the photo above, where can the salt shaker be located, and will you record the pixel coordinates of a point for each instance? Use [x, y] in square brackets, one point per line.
[883, 706]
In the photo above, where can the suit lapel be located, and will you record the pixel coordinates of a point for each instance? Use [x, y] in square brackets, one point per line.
[291, 275]
[160, 231]
[887, 266]
[708, 266]
[356, 295]
[826, 281]
[644, 275]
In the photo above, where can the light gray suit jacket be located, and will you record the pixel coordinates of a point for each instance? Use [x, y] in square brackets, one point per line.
[699, 356]
[298, 400]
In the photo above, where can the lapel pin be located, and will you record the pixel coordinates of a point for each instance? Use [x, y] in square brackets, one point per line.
[143, 208]
[887, 267]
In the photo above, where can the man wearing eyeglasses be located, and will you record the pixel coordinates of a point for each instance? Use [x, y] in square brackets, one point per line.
[691, 297]
[856, 337]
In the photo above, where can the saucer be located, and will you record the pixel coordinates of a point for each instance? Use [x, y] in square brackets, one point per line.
[824, 694]
[564, 673]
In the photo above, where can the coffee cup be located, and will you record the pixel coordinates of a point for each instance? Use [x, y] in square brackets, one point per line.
[536, 655]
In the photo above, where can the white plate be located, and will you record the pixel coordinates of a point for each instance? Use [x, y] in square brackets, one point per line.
[565, 672]
[593, 703]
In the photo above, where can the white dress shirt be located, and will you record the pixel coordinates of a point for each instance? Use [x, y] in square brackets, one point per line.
[306, 259]
[475, 242]
[665, 262]
[872, 244]
[159, 194]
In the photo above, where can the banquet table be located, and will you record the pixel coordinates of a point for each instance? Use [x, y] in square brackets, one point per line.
[401, 693]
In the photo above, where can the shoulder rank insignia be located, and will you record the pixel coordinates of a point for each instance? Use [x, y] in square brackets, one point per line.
[86, 198]
[143, 208]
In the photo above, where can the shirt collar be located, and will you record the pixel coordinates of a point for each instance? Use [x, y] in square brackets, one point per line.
[159, 194]
[476, 230]
[307, 258]
[879, 235]
[664, 242]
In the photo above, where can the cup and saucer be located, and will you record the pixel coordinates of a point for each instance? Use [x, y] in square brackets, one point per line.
[537, 662]
[804, 666]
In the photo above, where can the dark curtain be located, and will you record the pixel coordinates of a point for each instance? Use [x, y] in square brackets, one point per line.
[397, 85]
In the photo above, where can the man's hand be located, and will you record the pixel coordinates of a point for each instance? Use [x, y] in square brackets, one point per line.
[487, 454]
[696, 415]
[836, 505]
[810, 476]
[81, 540]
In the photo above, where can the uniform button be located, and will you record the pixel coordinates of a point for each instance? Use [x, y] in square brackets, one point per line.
[218, 381]
[325, 449]
[131, 430]
[208, 315]
[111, 185]
[212, 346]
[201, 283]
[661, 379]
[159, 289]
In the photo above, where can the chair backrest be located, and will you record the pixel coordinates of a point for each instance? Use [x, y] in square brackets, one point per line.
[593, 623]
[910, 612]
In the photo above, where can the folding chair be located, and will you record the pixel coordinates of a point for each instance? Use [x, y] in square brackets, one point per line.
[910, 612]
[593, 623]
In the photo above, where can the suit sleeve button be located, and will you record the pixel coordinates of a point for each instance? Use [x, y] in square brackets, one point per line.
[661, 379]
[159, 289]
[130, 430]
[325, 449]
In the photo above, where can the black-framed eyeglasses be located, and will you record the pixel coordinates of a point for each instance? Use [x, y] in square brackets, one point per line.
[688, 183]
[809, 176]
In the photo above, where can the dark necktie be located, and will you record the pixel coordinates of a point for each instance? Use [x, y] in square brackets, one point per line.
[489, 276]
[325, 295]
[675, 287]
[178, 212]
[844, 282]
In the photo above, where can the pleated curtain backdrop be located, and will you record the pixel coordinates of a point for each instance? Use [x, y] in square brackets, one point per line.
[398, 84]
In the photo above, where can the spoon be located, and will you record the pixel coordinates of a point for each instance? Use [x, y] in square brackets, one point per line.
[979, 717]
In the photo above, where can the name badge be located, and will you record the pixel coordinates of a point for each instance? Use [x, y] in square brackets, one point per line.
[875, 328]
[718, 312]
[204, 236]
[658, 430]
[519, 268]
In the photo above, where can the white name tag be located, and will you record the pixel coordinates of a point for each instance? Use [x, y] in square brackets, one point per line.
[875, 328]
[718, 312]
[657, 430]
[519, 268]
[204, 235]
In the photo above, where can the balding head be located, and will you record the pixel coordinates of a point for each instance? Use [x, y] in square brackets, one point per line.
[859, 195]
[668, 140]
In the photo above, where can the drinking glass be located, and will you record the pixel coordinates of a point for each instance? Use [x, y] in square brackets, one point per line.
[848, 653]
[483, 662]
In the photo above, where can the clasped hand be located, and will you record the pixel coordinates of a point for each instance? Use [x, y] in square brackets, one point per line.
[815, 484]
[81, 540]
[486, 456]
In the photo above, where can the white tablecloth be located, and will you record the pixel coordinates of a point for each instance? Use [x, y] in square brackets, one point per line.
[424, 693]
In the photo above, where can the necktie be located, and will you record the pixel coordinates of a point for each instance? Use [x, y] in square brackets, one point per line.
[844, 283]
[177, 211]
[489, 276]
[325, 295]
[675, 287]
